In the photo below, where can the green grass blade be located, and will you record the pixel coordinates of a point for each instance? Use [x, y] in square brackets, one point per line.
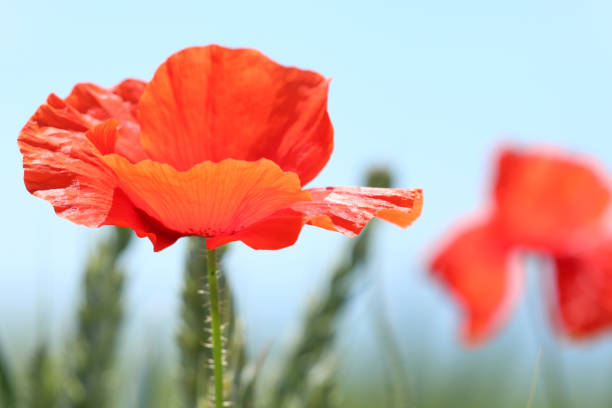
[400, 387]
[534, 382]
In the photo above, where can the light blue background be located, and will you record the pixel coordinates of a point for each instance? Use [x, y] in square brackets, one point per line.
[428, 88]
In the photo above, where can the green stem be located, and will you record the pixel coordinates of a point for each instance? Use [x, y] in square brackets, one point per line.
[215, 322]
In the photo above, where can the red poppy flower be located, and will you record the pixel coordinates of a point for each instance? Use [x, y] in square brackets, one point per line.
[546, 202]
[219, 144]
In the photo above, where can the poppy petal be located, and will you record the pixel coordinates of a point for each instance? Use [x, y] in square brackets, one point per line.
[548, 201]
[348, 209]
[210, 199]
[98, 104]
[342, 209]
[584, 291]
[275, 232]
[212, 103]
[124, 214]
[477, 269]
[61, 164]
[104, 136]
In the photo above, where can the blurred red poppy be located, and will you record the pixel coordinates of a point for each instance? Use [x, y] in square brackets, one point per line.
[547, 202]
[219, 144]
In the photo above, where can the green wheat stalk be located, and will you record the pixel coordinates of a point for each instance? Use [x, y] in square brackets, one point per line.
[8, 396]
[314, 349]
[43, 375]
[156, 388]
[100, 314]
[398, 384]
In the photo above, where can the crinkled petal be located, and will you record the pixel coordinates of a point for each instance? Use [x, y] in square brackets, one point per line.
[210, 199]
[342, 209]
[584, 291]
[548, 201]
[212, 103]
[64, 167]
[478, 270]
[348, 209]
[97, 104]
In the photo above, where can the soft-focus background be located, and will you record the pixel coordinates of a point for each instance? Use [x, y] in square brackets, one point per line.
[428, 89]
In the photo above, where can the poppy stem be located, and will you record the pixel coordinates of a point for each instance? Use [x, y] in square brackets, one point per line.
[215, 322]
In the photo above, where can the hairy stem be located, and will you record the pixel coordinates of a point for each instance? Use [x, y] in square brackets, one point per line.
[215, 322]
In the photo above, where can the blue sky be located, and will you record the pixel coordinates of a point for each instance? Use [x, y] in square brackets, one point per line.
[427, 88]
